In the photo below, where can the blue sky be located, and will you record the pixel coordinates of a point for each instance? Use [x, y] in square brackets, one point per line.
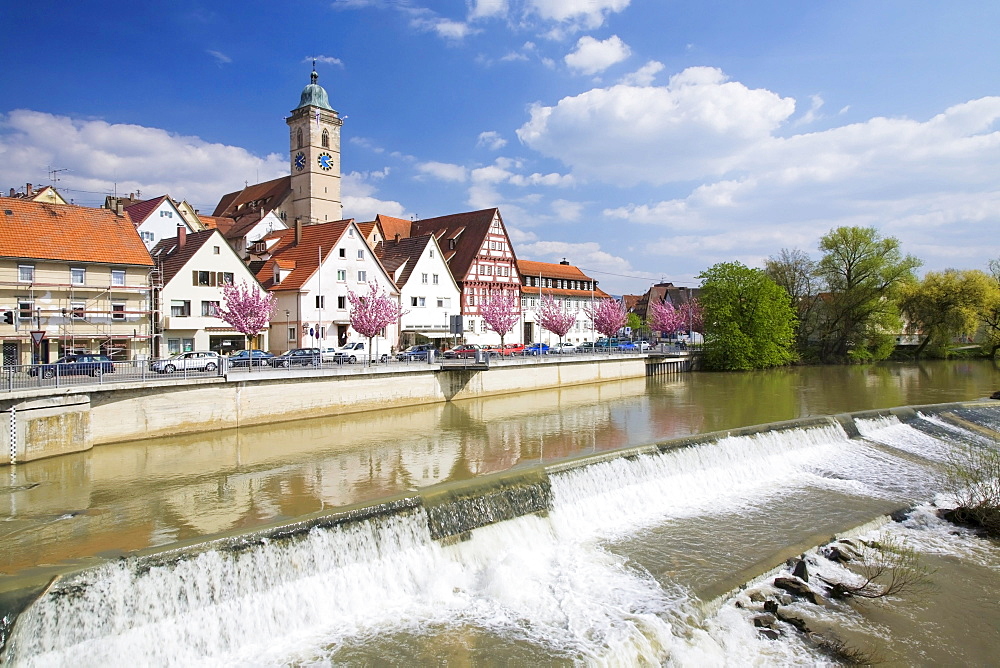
[641, 140]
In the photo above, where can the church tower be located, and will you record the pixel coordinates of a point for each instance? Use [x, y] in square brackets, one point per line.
[314, 153]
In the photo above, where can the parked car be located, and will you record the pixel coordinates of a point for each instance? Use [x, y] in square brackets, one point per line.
[246, 358]
[350, 353]
[512, 349]
[537, 349]
[586, 347]
[417, 352]
[464, 351]
[605, 343]
[297, 357]
[75, 365]
[563, 348]
[633, 346]
[195, 360]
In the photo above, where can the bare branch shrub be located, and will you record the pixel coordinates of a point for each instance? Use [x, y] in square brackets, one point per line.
[973, 477]
[887, 567]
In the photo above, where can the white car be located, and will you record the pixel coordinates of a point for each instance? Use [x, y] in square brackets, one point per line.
[195, 360]
[350, 353]
[564, 347]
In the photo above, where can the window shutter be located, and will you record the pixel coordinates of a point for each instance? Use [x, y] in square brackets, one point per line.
[211, 278]
[194, 277]
[219, 278]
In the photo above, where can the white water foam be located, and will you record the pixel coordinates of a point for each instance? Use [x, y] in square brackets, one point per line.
[893, 433]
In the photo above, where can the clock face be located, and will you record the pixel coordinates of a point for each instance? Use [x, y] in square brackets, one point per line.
[300, 161]
[325, 161]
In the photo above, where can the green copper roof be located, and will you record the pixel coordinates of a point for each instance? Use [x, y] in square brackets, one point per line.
[314, 95]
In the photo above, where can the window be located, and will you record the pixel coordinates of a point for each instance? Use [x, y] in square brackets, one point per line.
[180, 308]
[325, 139]
[291, 333]
[203, 278]
[361, 253]
[320, 301]
[173, 346]
[298, 138]
[210, 309]
[472, 300]
[26, 273]
[432, 252]
[444, 302]
[118, 311]
[413, 301]
[472, 326]
[76, 310]
[25, 307]
[421, 301]
[350, 232]
[215, 250]
[341, 302]
[423, 278]
[227, 278]
[341, 274]
[77, 276]
[342, 252]
[166, 214]
[362, 276]
[434, 279]
[118, 277]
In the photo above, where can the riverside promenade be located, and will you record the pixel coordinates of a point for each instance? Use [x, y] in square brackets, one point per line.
[46, 422]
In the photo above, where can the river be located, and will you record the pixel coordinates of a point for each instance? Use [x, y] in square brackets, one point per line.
[613, 574]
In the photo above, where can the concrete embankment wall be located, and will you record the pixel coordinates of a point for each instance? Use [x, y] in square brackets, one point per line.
[68, 420]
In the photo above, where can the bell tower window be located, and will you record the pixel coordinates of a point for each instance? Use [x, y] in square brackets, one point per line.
[298, 138]
[326, 139]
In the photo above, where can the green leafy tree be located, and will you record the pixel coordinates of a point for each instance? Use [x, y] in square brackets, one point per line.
[635, 323]
[858, 314]
[748, 319]
[989, 317]
[795, 271]
[946, 304]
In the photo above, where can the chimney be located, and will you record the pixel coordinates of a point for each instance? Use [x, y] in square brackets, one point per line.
[298, 231]
[565, 262]
[28, 190]
[12, 191]
[182, 235]
[119, 206]
[397, 237]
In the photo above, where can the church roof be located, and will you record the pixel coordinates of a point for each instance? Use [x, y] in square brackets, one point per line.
[314, 95]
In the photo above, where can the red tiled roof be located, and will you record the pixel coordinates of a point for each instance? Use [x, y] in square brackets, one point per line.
[322, 237]
[469, 231]
[140, 212]
[393, 226]
[172, 258]
[42, 231]
[393, 254]
[217, 222]
[532, 291]
[269, 193]
[551, 270]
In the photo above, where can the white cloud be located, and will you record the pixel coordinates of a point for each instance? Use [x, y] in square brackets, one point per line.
[575, 15]
[326, 60]
[491, 140]
[98, 155]
[444, 171]
[697, 125]
[359, 201]
[566, 210]
[644, 76]
[220, 58]
[481, 9]
[592, 56]
[454, 30]
[813, 113]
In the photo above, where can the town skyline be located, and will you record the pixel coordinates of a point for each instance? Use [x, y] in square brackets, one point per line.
[641, 143]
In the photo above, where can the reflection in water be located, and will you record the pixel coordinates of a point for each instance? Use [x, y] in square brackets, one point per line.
[150, 493]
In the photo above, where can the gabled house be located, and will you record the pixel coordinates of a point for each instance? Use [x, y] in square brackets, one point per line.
[157, 219]
[80, 275]
[572, 290]
[428, 292]
[46, 194]
[480, 257]
[310, 269]
[195, 267]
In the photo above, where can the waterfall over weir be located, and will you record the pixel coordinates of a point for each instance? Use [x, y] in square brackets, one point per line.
[597, 560]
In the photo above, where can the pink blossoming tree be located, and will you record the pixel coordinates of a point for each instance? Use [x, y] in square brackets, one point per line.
[372, 313]
[665, 318]
[609, 316]
[553, 318]
[247, 308]
[501, 310]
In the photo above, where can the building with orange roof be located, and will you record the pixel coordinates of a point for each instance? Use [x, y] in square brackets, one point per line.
[79, 275]
[573, 291]
[310, 269]
[194, 268]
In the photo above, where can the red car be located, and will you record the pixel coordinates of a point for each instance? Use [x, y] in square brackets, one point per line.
[512, 349]
[464, 351]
